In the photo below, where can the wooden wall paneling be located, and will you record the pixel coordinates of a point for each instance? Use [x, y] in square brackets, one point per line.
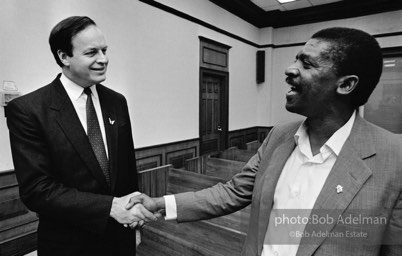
[149, 162]
[158, 155]
[177, 158]
[240, 138]
[237, 141]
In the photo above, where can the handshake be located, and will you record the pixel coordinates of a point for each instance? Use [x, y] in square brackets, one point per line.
[135, 209]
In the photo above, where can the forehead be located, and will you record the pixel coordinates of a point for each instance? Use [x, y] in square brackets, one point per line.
[90, 37]
[315, 48]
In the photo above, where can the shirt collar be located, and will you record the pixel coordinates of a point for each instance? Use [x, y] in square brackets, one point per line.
[335, 142]
[73, 90]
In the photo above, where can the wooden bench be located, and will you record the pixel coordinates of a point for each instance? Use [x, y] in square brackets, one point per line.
[236, 154]
[18, 225]
[153, 182]
[214, 166]
[253, 146]
[215, 237]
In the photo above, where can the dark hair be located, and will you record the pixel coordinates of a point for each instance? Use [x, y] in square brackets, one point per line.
[354, 52]
[62, 34]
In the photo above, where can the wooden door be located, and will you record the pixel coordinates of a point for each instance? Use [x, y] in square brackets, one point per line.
[213, 111]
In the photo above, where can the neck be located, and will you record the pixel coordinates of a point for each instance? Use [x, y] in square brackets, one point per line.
[67, 74]
[320, 129]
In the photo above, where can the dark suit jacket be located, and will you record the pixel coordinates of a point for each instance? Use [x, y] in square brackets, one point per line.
[369, 168]
[60, 178]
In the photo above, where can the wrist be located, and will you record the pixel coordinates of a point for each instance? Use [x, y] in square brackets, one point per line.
[113, 208]
[160, 203]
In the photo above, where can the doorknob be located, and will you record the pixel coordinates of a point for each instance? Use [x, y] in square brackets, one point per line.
[219, 128]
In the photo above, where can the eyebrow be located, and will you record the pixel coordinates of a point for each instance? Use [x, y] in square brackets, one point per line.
[93, 48]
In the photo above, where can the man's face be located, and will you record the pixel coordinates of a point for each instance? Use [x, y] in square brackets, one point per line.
[88, 63]
[312, 81]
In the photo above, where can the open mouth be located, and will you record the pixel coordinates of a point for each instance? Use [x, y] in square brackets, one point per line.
[293, 90]
[293, 86]
[99, 69]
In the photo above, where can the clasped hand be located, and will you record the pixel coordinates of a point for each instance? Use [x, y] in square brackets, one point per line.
[134, 209]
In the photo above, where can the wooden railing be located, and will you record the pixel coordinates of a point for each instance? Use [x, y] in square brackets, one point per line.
[153, 182]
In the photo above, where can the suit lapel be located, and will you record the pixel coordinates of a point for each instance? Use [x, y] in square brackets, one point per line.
[350, 172]
[273, 169]
[69, 122]
[109, 119]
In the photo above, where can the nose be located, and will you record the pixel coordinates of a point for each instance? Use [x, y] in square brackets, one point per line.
[292, 70]
[102, 58]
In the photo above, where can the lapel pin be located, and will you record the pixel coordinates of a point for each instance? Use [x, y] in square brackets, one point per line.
[111, 121]
[339, 189]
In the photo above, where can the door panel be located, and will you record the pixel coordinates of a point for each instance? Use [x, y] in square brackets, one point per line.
[212, 112]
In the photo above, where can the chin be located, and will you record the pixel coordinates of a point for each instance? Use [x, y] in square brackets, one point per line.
[293, 109]
[98, 80]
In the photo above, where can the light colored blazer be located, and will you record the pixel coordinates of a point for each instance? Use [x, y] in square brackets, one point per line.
[369, 169]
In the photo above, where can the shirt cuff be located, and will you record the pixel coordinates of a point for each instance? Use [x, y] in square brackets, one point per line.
[170, 207]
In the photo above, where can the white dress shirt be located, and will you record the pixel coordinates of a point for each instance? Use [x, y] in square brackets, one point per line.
[79, 100]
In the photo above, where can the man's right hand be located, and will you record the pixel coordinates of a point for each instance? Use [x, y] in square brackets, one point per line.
[133, 214]
[155, 205]
[152, 204]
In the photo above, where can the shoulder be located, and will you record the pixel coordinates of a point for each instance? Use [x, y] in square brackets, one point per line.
[109, 94]
[35, 98]
[384, 139]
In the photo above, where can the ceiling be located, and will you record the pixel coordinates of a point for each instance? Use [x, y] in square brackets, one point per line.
[269, 13]
[271, 5]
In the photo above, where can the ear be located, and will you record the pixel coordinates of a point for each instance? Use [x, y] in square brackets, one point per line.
[63, 58]
[347, 84]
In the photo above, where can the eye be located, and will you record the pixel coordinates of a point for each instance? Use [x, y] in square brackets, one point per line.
[104, 51]
[90, 53]
[306, 64]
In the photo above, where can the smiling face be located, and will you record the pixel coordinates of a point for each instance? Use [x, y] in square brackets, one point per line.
[312, 81]
[88, 64]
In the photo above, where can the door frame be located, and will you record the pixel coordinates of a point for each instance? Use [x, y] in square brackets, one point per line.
[224, 107]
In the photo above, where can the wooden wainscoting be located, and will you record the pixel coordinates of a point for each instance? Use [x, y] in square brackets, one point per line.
[240, 138]
[175, 153]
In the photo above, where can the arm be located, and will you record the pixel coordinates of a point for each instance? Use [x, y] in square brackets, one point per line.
[215, 201]
[220, 199]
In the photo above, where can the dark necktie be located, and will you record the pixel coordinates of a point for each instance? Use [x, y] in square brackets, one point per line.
[95, 136]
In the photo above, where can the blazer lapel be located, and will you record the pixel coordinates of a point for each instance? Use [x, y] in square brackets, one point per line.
[350, 172]
[72, 128]
[109, 119]
[272, 171]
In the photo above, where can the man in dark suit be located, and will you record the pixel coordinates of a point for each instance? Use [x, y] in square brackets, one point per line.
[330, 185]
[73, 151]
